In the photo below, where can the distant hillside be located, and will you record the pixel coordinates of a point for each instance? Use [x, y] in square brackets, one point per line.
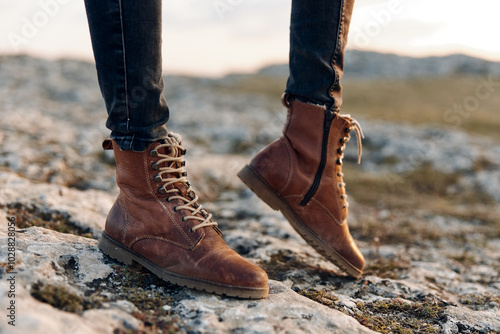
[362, 64]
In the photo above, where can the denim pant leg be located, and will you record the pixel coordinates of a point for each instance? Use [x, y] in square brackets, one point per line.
[318, 36]
[126, 39]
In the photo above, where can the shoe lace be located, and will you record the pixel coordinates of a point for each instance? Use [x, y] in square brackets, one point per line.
[174, 173]
[353, 125]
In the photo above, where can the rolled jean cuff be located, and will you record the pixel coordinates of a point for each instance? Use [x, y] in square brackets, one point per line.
[131, 143]
[134, 142]
[305, 99]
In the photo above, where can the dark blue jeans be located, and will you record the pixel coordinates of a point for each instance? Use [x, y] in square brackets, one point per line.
[126, 38]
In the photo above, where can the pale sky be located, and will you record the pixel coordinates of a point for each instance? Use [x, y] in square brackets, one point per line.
[201, 39]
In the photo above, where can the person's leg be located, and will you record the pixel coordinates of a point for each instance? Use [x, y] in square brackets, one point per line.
[156, 220]
[126, 38]
[300, 174]
[318, 37]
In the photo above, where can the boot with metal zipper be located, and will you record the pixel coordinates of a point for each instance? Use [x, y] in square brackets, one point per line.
[300, 174]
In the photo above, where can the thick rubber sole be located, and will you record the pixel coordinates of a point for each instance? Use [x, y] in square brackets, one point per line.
[126, 256]
[265, 192]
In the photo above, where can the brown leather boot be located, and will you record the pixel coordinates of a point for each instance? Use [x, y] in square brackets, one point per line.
[157, 222]
[300, 174]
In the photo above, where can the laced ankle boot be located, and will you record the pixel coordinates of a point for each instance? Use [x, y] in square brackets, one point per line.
[300, 174]
[157, 222]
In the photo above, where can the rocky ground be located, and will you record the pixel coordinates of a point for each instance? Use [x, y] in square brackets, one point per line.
[424, 206]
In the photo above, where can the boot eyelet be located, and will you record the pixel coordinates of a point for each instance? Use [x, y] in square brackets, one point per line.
[153, 153]
[183, 151]
[191, 230]
[339, 161]
[175, 209]
[347, 130]
[155, 166]
[162, 190]
[183, 219]
[339, 150]
[341, 141]
[338, 174]
[167, 199]
[157, 178]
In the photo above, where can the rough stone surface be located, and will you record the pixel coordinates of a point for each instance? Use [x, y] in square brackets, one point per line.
[74, 262]
[428, 265]
[283, 311]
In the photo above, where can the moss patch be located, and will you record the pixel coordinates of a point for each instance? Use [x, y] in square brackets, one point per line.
[135, 285]
[280, 263]
[28, 216]
[389, 315]
[479, 302]
[61, 298]
[147, 292]
[322, 296]
[384, 268]
[399, 316]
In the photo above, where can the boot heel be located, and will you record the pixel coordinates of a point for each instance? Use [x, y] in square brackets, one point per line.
[255, 182]
[114, 250]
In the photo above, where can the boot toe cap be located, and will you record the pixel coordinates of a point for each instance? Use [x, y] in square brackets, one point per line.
[240, 272]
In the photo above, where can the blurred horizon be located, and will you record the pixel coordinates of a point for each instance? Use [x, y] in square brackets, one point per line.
[235, 36]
